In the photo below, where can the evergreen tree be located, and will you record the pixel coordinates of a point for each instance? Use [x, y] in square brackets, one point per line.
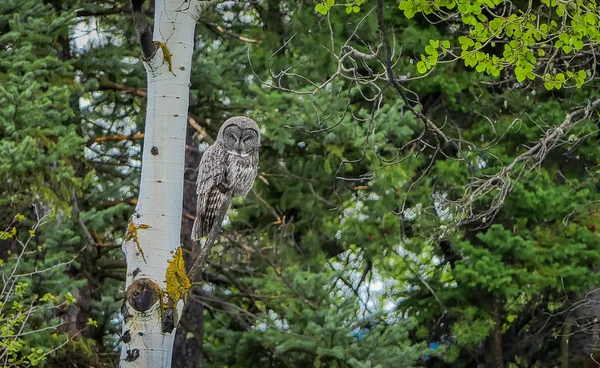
[356, 247]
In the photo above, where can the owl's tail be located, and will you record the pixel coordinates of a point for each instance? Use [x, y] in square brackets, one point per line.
[196, 230]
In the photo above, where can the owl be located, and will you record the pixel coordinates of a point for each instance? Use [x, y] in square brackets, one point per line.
[227, 169]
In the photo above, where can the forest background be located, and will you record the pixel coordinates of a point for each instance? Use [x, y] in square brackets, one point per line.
[427, 196]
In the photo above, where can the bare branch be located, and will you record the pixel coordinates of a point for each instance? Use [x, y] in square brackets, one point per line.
[503, 181]
[221, 30]
[142, 28]
[393, 80]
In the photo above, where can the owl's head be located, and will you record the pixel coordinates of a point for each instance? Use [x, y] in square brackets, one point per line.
[240, 135]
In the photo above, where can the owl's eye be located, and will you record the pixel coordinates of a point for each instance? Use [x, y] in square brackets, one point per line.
[247, 139]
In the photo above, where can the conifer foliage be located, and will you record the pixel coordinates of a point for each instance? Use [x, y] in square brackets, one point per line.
[427, 197]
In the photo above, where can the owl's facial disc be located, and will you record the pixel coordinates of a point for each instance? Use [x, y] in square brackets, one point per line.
[240, 142]
[249, 140]
[231, 138]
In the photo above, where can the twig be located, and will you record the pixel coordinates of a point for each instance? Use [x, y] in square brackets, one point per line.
[390, 73]
[503, 182]
[119, 137]
[224, 31]
[82, 225]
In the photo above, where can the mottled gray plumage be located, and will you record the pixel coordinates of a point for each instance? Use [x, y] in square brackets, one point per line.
[227, 169]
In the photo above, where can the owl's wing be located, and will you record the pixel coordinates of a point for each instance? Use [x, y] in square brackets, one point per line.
[213, 191]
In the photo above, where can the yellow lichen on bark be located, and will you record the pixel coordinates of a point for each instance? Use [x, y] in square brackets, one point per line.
[132, 233]
[178, 283]
[166, 54]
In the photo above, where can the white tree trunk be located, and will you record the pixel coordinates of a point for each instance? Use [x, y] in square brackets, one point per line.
[156, 283]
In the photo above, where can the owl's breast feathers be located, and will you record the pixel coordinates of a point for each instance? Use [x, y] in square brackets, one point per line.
[242, 172]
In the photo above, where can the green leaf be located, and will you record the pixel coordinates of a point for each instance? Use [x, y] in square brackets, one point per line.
[92, 322]
[590, 18]
[520, 74]
[465, 42]
[421, 67]
[320, 8]
[409, 13]
[70, 299]
[47, 297]
[408, 7]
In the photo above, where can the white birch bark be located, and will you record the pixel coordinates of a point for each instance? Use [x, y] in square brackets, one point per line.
[149, 311]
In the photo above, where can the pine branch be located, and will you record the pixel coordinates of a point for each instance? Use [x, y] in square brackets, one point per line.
[105, 205]
[106, 84]
[119, 137]
[102, 12]
[137, 136]
[218, 29]
[192, 121]
[107, 263]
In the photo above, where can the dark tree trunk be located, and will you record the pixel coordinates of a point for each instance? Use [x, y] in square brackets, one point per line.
[497, 338]
[189, 341]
